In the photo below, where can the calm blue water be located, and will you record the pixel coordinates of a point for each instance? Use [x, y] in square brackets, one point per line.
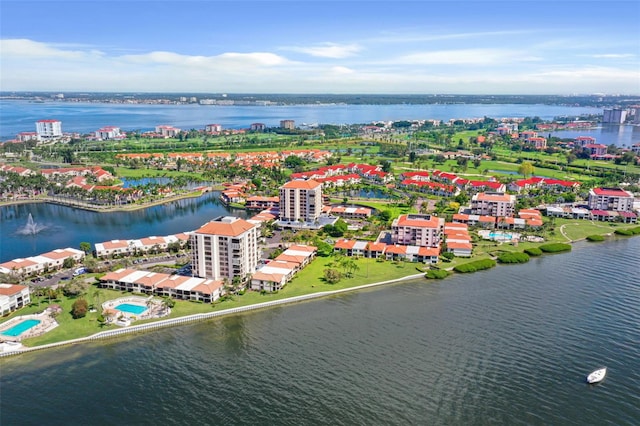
[622, 136]
[132, 309]
[508, 346]
[20, 116]
[20, 328]
[67, 227]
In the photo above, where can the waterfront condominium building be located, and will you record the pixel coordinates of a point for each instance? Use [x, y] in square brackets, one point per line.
[610, 199]
[418, 230]
[300, 200]
[49, 129]
[226, 247]
[287, 124]
[496, 204]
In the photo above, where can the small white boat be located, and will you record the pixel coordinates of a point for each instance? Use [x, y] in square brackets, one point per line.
[597, 375]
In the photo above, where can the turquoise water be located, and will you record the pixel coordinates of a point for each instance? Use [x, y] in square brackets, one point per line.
[504, 235]
[18, 329]
[131, 309]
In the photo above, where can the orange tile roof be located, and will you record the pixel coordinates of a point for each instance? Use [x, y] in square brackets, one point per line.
[483, 196]
[418, 222]
[227, 229]
[10, 289]
[301, 184]
[457, 245]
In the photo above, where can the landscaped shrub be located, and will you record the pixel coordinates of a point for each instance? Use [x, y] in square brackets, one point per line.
[513, 258]
[476, 265]
[79, 308]
[595, 238]
[625, 232]
[533, 251]
[436, 274]
[448, 255]
[555, 247]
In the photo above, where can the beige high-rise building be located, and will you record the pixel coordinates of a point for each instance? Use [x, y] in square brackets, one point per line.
[417, 229]
[300, 200]
[497, 204]
[287, 124]
[226, 247]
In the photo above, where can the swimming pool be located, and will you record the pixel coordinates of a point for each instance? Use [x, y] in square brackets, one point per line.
[131, 309]
[500, 236]
[20, 328]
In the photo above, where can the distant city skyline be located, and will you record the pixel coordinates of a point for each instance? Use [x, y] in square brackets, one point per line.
[350, 47]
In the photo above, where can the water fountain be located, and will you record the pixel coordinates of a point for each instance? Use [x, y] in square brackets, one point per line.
[31, 228]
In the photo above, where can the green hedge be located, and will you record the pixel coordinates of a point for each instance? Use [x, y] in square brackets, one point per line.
[513, 258]
[477, 265]
[628, 232]
[555, 247]
[436, 274]
[595, 238]
[533, 251]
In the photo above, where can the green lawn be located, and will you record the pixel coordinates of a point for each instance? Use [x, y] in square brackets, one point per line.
[395, 210]
[142, 173]
[307, 281]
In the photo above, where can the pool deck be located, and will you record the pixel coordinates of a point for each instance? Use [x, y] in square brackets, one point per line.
[153, 310]
[47, 323]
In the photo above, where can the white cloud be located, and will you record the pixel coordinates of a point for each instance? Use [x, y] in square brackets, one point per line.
[32, 65]
[24, 48]
[327, 50]
[341, 70]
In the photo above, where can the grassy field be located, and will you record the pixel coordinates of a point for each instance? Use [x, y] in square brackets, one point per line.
[125, 172]
[307, 281]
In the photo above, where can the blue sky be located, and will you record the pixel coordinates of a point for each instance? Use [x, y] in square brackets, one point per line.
[466, 47]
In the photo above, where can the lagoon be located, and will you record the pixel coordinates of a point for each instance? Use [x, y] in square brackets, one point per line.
[62, 226]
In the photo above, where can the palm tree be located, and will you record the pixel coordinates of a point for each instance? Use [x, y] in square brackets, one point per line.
[96, 297]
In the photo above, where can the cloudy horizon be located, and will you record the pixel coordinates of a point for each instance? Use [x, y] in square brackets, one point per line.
[357, 47]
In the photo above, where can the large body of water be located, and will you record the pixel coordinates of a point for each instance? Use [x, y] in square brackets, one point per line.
[508, 346]
[20, 116]
[63, 226]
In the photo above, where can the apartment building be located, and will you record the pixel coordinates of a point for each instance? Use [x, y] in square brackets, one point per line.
[417, 229]
[12, 297]
[287, 124]
[226, 247]
[497, 204]
[49, 129]
[610, 199]
[300, 200]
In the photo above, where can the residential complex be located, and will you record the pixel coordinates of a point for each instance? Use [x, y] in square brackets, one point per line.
[417, 229]
[496, 204]
[287, 124]
[12, 297]
[615, 199]
[45, 262]
[300, 200]
[49, 129]
[225, 248]
[165, 285]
